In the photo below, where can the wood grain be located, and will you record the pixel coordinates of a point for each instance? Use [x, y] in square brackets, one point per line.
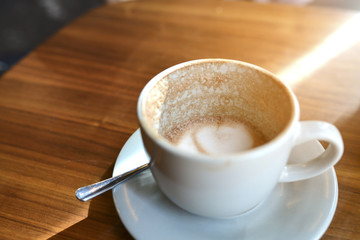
[69, 106]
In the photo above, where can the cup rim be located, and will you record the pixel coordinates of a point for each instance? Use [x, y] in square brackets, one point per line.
[264, 148]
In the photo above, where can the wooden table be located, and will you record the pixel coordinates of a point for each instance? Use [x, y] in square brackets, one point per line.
[68, 107]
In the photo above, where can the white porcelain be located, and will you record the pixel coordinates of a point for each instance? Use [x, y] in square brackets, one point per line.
[227, 185]
[297, 210]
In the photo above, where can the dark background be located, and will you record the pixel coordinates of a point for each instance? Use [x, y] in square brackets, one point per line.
[24, 24]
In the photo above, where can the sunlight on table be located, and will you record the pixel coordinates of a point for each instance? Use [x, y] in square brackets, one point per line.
[343, 39]
[339, 41]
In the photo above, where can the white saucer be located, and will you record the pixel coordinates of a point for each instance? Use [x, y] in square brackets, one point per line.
[299, 210]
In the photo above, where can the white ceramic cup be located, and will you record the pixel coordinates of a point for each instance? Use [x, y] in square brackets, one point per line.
[227, 185]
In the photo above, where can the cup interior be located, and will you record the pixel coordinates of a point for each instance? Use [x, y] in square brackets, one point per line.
[212, 89]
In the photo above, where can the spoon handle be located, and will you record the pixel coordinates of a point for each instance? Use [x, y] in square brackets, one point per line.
[88, 192]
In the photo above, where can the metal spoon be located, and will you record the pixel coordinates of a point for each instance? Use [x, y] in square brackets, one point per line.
[88, 192]
[132, 160]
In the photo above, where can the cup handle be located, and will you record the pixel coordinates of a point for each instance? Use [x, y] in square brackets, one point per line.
[310, 130]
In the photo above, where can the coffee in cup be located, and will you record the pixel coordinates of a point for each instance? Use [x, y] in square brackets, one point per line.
[215, 135]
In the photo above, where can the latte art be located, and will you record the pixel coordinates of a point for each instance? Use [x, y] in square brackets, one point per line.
[214, 136]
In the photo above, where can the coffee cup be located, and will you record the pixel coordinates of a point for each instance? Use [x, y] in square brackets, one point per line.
[220, 132]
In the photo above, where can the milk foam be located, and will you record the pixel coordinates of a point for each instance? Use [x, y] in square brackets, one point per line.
[219, 139]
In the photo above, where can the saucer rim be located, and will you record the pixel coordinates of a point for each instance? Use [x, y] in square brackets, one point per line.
[316, 235]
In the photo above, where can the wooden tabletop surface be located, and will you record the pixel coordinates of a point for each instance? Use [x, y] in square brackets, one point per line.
[68, 107]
